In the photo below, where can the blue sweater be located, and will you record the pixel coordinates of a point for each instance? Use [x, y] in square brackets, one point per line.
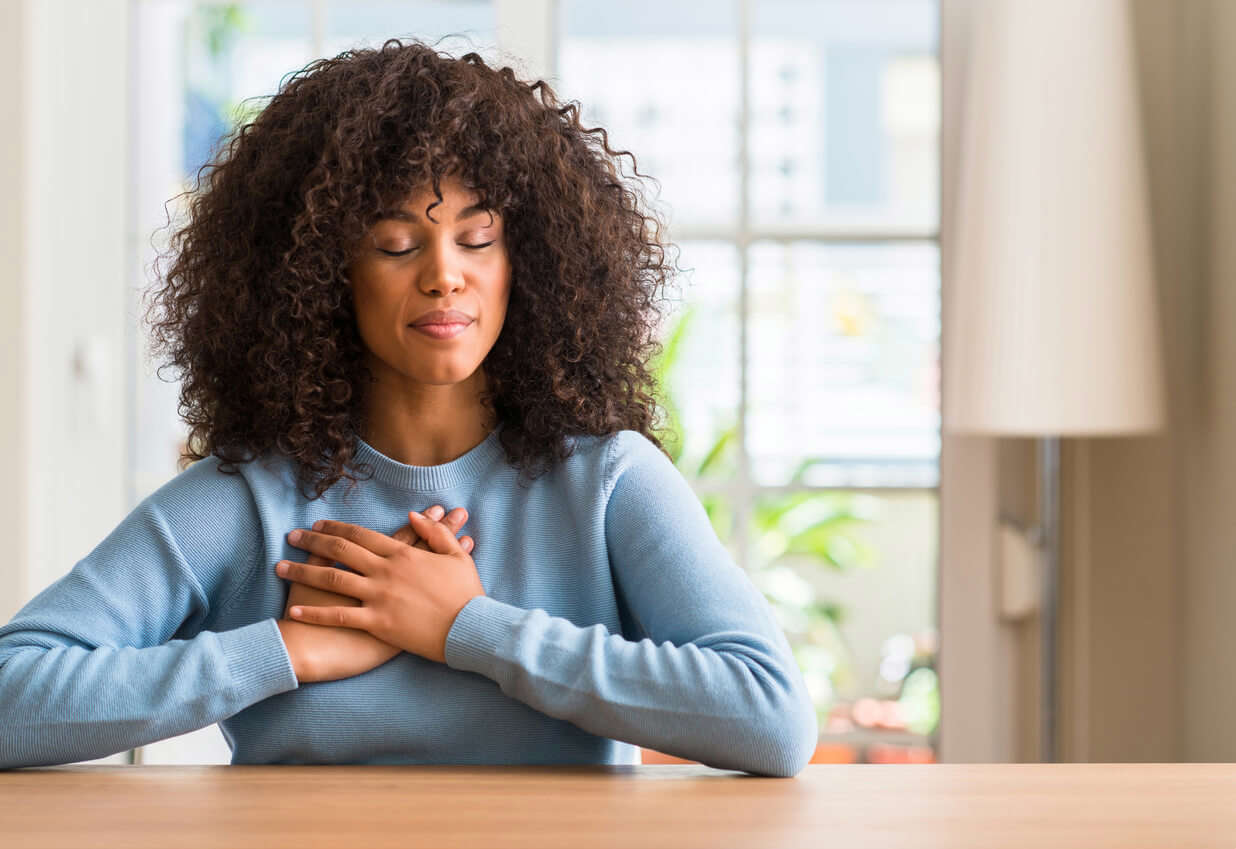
[613, 618]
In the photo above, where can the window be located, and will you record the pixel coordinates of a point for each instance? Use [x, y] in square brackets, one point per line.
[795, 146]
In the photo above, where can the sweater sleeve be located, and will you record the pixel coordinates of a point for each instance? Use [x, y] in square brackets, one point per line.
[89, 666]
[712, 680]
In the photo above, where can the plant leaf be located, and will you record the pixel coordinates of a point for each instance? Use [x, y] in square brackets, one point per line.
[827, 541]
[714, 454]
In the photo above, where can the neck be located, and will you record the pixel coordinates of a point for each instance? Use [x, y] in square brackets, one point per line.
[427, 425]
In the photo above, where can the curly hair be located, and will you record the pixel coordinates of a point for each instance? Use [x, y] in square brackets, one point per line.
[256, 313]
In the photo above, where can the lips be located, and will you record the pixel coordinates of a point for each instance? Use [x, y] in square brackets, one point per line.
[440, 331]
[442, 317]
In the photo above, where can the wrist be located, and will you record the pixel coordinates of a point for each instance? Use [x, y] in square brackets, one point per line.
[293, 634]
[439, 651]
[450, 622]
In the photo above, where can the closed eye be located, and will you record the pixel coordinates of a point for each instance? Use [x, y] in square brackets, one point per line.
[409, 250]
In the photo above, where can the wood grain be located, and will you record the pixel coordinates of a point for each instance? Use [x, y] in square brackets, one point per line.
[942, 805]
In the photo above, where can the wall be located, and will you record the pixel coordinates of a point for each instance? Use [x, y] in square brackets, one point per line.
[1150, 542]
[1148, 574]
[13, 157]
[1209, 634]
[978, 662]
[1122, 568]
[64, 297]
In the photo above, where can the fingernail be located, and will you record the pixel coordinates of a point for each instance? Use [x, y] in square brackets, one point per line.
[434, 512]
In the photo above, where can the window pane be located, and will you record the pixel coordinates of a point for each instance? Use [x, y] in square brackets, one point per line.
[844, 364]
[827, 560]
[702, 361]
[845, 113]
[463, 25]
[662, 78]
[235, 56]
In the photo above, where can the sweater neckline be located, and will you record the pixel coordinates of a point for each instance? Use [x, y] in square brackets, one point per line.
[464, 468]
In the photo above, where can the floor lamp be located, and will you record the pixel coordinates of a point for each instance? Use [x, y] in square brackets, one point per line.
[1051, 325]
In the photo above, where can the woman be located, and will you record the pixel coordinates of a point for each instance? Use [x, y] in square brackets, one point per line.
[411, 283]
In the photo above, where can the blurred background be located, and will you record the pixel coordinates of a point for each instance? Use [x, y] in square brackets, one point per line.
[806, 155]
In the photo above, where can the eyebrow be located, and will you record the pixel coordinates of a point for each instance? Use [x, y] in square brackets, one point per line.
[405, 215]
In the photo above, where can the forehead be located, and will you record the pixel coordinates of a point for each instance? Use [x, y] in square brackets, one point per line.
[408, 213]
[458, 202]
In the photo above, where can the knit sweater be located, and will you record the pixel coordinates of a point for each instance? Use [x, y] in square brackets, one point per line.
[613, 617]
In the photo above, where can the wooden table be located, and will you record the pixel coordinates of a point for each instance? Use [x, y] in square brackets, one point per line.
[342, 807]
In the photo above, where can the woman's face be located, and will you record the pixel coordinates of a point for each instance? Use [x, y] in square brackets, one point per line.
[409, 265]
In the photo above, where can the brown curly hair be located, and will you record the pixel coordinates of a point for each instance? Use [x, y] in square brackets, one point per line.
[256, 313]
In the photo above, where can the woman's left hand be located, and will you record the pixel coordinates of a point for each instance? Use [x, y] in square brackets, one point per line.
[409, 597]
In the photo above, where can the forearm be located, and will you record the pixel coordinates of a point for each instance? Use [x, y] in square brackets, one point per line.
[68, 703]
[713, 678]
[730, 699]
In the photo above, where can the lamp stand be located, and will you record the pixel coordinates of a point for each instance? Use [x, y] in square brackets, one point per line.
[1049, 541]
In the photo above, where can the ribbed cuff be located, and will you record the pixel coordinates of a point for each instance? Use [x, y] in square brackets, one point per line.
[258, 662]
[482, 627]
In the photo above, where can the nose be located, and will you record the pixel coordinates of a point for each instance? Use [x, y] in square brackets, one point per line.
[443, 274]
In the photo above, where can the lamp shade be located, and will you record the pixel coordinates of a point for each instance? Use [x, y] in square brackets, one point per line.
[1052, 325]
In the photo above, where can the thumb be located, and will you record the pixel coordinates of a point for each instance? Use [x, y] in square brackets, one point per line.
[438, 535]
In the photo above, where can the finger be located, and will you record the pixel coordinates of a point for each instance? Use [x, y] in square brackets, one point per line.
[367, 538]
[338, 549]
[406, 535]
[465, 543]
[440, 538]
[326, 578]
[339, 617]
[454, 520]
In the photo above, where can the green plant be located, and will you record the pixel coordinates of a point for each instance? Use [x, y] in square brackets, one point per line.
[216, 29]
[791, 532]
[221, 25]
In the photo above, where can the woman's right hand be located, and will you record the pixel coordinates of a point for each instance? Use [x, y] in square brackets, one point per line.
[321, 653]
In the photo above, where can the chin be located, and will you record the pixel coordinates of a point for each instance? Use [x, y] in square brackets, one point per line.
[450, 377]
